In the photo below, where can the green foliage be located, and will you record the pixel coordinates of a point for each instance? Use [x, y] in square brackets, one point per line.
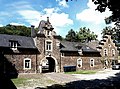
[114, 32]
[112, 5]
[15, 30]
[20, 81]
[71, 35]
[83, 35]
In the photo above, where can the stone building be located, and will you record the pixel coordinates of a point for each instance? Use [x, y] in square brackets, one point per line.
[109, 51]
[45, 52]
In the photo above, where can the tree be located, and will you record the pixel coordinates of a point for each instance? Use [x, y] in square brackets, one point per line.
[71, 35]
[15, 30]
[83, 35]
[112, 5]
[111, 31]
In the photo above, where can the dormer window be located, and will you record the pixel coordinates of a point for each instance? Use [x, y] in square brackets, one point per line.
[13, 45]
[80, 52]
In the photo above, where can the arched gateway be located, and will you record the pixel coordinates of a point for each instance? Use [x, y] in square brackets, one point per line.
[48, 64]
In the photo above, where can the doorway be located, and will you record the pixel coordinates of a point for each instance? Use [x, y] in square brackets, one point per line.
[48, 65]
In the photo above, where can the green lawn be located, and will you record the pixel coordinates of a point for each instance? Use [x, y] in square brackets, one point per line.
[20, 81]
[82, 72]
[32, 80]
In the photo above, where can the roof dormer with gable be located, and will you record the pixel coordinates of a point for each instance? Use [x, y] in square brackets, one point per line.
[45, 28]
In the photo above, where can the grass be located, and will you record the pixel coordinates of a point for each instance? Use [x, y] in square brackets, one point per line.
[20, 81]
[82, 72]
[32, 80]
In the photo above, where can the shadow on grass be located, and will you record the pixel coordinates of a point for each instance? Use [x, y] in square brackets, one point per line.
[110, 83]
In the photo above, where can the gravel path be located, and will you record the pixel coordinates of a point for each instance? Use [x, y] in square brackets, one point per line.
[61, 77]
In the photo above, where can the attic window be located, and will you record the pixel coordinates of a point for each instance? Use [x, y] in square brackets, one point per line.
[80, 51]
[48, 33]
[13, 45]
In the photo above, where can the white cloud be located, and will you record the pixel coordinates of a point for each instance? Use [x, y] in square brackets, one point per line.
[1, 25]
[17, 24]
[93, 19]
[62, 3]
[31, 16]
[57, 19]
[90, 15]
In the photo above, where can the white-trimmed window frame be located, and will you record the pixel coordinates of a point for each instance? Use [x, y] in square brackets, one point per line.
[47, 47]
[48, 33]
[62, 54]
[105, 52]
[92, 62]
[79, 62]
[24, 63]
[113, 52]
[13, 45]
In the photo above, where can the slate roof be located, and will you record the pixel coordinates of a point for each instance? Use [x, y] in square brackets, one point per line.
[75, 46]
[23, 41]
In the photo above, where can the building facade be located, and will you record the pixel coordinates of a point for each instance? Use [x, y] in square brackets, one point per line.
[45, 52]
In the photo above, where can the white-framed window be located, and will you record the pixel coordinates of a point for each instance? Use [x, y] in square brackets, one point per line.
[106, 62]
[80, 52]
[13, 45]
[62, 54]
[92, 62]
[113, 52]
[79, 63]
[48, 33]
[48, 45]
[27, 63]
[105, 52]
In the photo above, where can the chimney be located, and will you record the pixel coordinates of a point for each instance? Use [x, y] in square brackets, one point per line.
[48, 20]
[33, 34]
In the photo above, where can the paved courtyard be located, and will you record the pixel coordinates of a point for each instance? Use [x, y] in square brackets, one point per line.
[78, 79]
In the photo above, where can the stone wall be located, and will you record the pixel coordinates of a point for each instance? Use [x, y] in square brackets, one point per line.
[18, 61]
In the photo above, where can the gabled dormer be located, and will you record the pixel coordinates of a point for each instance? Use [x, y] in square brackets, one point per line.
[13, 44]
[45, 28]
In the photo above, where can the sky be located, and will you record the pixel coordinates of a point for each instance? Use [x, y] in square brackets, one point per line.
[63, 15]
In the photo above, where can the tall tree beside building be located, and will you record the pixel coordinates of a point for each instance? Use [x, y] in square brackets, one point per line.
[83, 35]
[71, 36]
[112, 31]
